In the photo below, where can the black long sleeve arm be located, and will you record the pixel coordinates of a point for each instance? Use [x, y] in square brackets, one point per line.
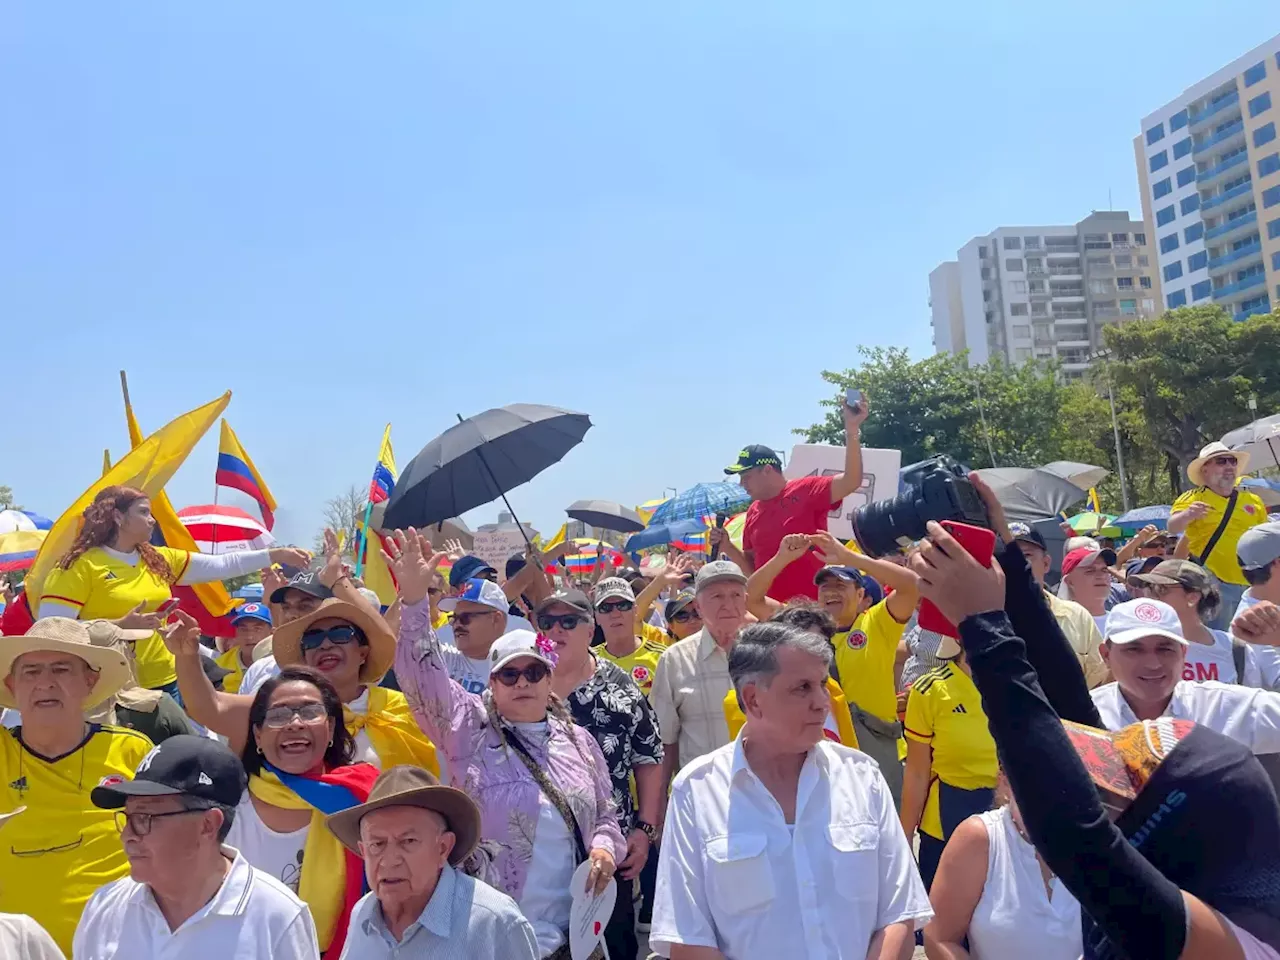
[1138, 912]
[1048, 650]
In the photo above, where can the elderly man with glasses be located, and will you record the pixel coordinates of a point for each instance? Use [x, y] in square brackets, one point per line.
[1214, 516]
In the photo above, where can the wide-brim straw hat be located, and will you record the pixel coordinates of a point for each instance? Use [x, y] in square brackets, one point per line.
[64, 635]
[407, 786]
[1216, 449]
[287, 640]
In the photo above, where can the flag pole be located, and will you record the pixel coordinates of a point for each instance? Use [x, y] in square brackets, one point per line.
[364, 536]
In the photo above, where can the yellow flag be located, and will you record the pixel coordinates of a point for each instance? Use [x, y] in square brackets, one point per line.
[106, 462]
[148, 467]
[556, 540]
[212, 596]
[1094, 503]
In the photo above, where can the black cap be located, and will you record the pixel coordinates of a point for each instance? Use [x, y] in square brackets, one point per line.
[308, 581]
[467, 568]
[847, 574]
[1028, 534]
[570, 598]
[756, 455]
[183, 766]
[678, 603]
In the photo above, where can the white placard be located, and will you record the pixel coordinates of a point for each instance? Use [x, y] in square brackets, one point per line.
[879, 478]
[589, 913]
[495, 546]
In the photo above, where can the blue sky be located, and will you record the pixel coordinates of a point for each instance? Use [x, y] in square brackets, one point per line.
[670, 216]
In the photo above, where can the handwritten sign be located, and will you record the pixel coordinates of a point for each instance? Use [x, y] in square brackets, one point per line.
[495, 546]
[879, 478]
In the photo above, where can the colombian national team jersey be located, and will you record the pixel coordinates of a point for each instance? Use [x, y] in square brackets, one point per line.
[864, 660]
[639, 666]
[655, 635]
[102, 586]
[230, 660]
[58, 852]
[944, 710]
[1249, 512]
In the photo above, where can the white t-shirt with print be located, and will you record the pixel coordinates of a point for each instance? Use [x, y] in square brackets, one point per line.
[1217, 662]
[278, 855]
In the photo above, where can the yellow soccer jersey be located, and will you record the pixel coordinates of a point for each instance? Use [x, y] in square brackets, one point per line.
[864, 659]
[639, 666]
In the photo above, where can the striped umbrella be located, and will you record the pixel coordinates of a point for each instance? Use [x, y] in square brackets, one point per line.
[18, 549]
[219, 529]
[702, 500]
[11, 521]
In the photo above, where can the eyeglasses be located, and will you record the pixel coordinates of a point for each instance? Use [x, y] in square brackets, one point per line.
[569, 621]
[684, 616]
[464, 619]
[1160, 589]
[611, 605]
[1223, 461]
[282, 716]
[140, 823]
[314, 639]
[535, 672]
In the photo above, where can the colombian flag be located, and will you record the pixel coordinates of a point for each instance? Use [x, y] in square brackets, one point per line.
[384, 474]
[236, 470]
[1094, 503]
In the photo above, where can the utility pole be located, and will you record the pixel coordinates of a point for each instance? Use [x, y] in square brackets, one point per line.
[1115, 429]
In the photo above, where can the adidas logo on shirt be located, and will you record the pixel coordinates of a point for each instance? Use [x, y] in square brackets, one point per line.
[110, 576]
[960, 709]
[20, 785]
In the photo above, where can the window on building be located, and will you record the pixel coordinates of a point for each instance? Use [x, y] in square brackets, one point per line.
[1124, 260]
[1013, 265]
[1235, 182]
[1251, 76]
[1035, 263]
[982, 253]
[1148, 306]
[1197, 261]
[1268, 165]
[1039, 309]
[1155, 134]
[1101, 286]
[1162, 188]
[1021, 353]
[1166, 215]
[1273, 229]
[1182, 148]
[1260, 104]
[1192, 233]
[1189, 204]
[1140, 239]
[1099, 261]
[1169, 244]
[1178, 120]
[1172, 271]
[1144, 260]
[986, 296]
[1275, 261]
[1144, 283]
[1031, 243]
[1264, 134]
[1129, 307]
[1120, 237]
[1159, 160]
[1176, 299]
[1012, 243]
[1201, 290]
[1270, 197]
[1186, 175]
[1035, 286]
[1124, 283]
[1019, 286]
[1018, 310]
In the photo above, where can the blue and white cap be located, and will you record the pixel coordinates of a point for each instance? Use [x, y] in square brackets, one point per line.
[252, 611]
[479, 591]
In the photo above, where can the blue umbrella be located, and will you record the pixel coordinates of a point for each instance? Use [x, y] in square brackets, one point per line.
[250, 591]
[1157, 516]
[653, 536]
[702, 500]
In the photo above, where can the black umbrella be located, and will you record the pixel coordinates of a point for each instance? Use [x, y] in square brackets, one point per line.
[480, 459]
[606, 515]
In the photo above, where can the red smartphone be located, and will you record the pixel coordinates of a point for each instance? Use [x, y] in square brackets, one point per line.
[981, 545]
[167, 607]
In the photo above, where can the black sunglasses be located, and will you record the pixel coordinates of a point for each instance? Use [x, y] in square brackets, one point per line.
[1223, 461]
[465, 619]
[535, 672]
[569, 621]
[684, 616]
[339, 636]
[609, 606]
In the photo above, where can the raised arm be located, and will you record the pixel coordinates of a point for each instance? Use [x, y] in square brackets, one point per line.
[671, 575]
[763, 606]
[224, 713]
[906, 590]
[207, 567]
[848, 482]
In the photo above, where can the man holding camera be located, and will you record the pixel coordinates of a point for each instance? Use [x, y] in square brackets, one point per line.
[783, 506]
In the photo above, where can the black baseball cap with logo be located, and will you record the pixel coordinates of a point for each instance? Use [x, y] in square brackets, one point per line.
[308, 581]
[182, 766]
[756, 455]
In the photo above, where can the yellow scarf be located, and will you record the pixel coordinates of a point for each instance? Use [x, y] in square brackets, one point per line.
[394, 734]
[324, 866]
[735, 718]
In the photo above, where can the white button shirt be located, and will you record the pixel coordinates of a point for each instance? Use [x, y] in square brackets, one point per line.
[1245, 714]
[733, 875]
[252, 915]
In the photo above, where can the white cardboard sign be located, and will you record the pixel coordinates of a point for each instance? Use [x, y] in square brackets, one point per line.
[879, 478]
[588, 914]
[495, 546]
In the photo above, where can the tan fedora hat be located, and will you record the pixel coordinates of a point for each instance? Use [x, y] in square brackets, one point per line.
[1216, 449]
[63, 635]
[287, 639]
[406, 786]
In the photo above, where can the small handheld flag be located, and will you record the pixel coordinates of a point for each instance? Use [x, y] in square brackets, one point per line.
[236, 470]
[384, 472]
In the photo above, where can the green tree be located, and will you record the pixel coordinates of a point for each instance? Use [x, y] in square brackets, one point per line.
[6, 499]
[341, 514]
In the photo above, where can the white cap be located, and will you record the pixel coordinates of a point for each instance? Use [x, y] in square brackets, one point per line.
[517, 644]
[613, 588]
[1075, 543]
[1135, 619]
[479, 591]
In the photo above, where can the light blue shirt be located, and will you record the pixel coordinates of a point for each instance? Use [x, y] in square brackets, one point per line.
[465, 918]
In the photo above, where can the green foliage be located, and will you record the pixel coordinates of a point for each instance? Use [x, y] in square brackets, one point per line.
[6, 499]
[235, 583]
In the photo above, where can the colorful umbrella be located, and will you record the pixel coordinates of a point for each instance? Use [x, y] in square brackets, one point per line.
[219, 529]
[680, 531]
[585, 558]
[18, 549]
[703, 500]
[11, 521]
[1090, 524]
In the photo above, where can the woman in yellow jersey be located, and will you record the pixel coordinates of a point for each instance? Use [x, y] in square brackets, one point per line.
[347, 641]
[951, 759]
[682, 617]
[252, 624]
[112, 572]
[615, 605]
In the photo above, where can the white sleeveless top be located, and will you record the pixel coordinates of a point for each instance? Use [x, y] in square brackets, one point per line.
[1015, 919]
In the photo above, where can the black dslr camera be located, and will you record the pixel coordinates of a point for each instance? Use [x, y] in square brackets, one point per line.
[936, 489]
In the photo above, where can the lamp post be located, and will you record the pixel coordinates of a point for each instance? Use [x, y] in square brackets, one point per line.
[1115, 432]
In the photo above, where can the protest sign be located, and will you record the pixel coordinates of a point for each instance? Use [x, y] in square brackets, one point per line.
[879, 478]
[495, 546]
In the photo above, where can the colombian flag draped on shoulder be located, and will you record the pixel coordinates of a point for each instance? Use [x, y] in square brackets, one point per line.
[236, 470]
[148, 467]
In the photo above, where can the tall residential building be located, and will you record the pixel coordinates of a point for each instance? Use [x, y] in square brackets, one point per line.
[1209, 166]
[1043, 292]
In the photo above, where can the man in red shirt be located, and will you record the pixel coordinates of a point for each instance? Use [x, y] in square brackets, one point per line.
[783, 506]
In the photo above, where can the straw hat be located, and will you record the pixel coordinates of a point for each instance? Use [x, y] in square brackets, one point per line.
[406, 786]
[1216, 449]
[63, 635]
[287, 639]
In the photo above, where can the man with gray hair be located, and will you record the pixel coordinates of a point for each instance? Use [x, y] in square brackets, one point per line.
[813, 850]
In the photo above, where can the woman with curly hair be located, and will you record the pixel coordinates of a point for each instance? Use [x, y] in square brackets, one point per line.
[539, 779]
[112, 572]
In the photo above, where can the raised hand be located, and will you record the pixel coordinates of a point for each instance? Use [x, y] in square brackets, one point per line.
[793, 546]
[855, 416]
[272, 580]
[453, 550]
[182, 635]
[958, 585]
[413, 564]
[290, 557]
[832, 551]
[334, 569]
[678, 566]
[136, 619]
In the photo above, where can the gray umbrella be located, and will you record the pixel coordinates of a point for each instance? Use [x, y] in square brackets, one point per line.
[480, 459]
[1082, 475]
[1031, 494]
[437, 533]
[606, 515]
[1260, 440]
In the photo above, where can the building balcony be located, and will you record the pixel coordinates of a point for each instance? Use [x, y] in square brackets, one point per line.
[1240, 286]
[1217, 201]
[1213, 173]
[1244, 253]
[1221, 137]
[1066, 270]
[1037, 272]
[1235, 225]
[1248, 312]
[1214, 109]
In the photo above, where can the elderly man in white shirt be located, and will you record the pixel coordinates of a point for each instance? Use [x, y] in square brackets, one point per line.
[1146, 651]
[782, 843]
[188, 897]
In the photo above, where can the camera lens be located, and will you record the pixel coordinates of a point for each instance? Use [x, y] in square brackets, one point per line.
[936, 489]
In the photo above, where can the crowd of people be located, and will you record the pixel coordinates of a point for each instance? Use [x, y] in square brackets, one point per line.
[757, 752]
